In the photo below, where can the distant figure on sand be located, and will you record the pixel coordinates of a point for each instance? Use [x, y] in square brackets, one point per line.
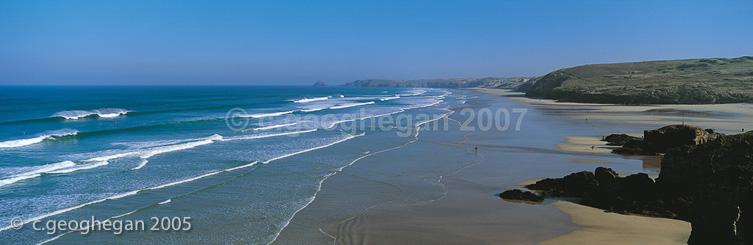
[475, 149]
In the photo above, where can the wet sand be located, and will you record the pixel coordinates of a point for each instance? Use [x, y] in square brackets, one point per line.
[471, 214]
[555, 140]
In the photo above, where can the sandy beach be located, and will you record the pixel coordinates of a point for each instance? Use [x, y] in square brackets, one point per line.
[600, 227]
[553, 142]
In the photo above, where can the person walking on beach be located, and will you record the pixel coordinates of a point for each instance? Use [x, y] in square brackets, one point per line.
[475, 150]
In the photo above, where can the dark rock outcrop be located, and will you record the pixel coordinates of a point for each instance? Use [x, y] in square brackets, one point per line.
[723, 209]
[719, 175]
[636, 193]
[660, 140]
[618, 139]
[320, 83]
[705, 178]
[521, 195]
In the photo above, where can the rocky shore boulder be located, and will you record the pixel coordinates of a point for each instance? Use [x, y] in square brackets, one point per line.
[618, 139]
[603, 188]
[669, 137]
[521, 195]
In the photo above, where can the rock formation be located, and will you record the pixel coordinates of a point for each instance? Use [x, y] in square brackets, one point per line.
[320, 83]
[618, 139]
[672, 136]
[706, 178]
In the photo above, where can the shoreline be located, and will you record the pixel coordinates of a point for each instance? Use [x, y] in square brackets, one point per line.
[462, 206]
[607, 230]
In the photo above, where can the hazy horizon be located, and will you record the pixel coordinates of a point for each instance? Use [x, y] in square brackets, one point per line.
[299, 43]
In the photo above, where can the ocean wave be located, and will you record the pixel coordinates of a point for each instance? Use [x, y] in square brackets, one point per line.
[102, 113]
[39, 138]
[79, 167]
[351, 105]
[332, 124]
[36, 172]
[414, 92]
[390, 98]
[274, 126]
[273, 114]
[170, 148]
[313, 109]
[311, 149]
[141, 164]
[248, 137]
[29, 220]
[144, 154]
[118, 196]
[307, 100]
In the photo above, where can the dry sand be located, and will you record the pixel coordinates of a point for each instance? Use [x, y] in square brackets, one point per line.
[600, 227]
[727, 118]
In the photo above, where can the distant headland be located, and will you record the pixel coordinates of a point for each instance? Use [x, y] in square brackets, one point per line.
[690, 81]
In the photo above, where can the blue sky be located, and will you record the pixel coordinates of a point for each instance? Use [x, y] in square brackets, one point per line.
[300, 42]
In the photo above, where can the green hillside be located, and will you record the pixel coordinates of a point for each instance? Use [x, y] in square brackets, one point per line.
[693, 81]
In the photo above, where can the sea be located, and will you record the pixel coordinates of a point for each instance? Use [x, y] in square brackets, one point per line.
[212, 164]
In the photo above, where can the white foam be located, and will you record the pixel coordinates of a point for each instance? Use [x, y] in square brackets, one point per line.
[275, 126]
[415, 92]
[145, 154]
[311, 149]
[36, 172]
[314, 109]
[200, 176]
[248, 137]
[306, 100]
[351, 105]
[178, 147]
[361, 118]
[39, 138]
[103, 112]
[141, 164]
[390, 98]
[260, 115]
[164, 202]
[26, 221]
[80, 167]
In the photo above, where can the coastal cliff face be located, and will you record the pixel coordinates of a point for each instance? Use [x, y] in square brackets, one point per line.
[719, 176]
[706, 178]
[694, 81]
[517, 83]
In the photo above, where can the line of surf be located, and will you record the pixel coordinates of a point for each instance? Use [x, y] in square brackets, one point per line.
[101, 113]
[49, 135]
[307, 100]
